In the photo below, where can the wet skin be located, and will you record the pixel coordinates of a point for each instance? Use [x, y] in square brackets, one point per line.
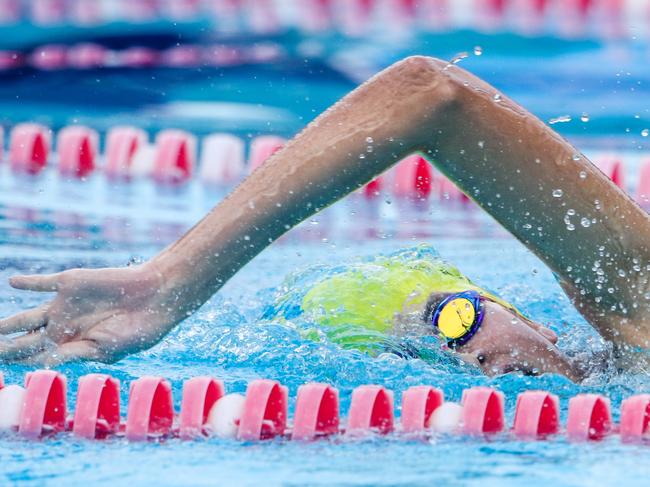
[507, 342]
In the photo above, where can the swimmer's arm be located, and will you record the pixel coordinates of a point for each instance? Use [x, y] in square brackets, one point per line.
[419, 104]
[510, 162]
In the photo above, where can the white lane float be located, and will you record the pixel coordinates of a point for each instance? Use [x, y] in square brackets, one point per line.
[11, 405]
[222, 159]
[446, 419]
[225, 416]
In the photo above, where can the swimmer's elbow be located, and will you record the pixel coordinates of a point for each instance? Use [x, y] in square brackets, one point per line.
[428, 75]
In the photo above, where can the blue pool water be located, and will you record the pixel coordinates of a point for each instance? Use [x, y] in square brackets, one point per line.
[47, 225]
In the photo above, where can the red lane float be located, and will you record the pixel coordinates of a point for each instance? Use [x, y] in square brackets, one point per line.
[97, 413]
[29, 147]
[418, 404]
[589, 417]
[635, 418]
[199, 395]
[483, 411]
[413, 176]
[262, 148]
[77, 147]
[222, 159]
[265, 411]
[150, 411]
[371, 409]
[317, 412]
[175, 156]
[44, 407]
[537, 414]
[122, 143]
[373, 188]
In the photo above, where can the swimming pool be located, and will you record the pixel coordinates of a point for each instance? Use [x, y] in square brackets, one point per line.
[48, 224]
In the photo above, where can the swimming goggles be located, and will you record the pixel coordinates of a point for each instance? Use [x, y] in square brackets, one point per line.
[458, 317]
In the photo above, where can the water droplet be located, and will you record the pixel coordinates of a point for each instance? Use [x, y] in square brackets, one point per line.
[571, 212]
[585, 222]
[645, 133]
[576, 157]
[459, 57]
[497, 98]
[369, 140]
[583, 175]
[570, 227]
[478, 50]
[584, 117]
[560, 119]
[557, 193]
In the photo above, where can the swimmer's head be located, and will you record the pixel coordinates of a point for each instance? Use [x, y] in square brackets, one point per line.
[504, 341]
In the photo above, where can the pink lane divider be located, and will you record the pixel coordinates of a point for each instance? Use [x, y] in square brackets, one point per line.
[537, 414]
[314, 15]
[222, 159]
[44, 407]
[97, 414]
[413, 177]
[371, 409]
[175, 156]
[418, 404]
[77, 147]
[122, 143]
[29, 147]
[137, 57]
[262, 148]
[589, 417]
[635, 418]
[87, 56]
[51, 56]
[643, 188]
[317, 412]
[613, 169]
[482, 411]
[265, 411]
[199, 395]
[150, 411]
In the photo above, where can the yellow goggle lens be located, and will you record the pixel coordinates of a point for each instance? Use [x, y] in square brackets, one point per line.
[456, 318]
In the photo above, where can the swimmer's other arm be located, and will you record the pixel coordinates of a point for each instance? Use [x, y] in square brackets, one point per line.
[499, 154]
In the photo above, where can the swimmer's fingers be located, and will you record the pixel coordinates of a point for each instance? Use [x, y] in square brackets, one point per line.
[44, 283]
[81, 350]
[22, 347]
[29, 320]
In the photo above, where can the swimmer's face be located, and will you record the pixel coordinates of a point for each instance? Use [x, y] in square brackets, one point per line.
[506, 342]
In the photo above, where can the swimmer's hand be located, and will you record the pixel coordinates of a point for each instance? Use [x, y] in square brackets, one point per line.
[97, 314]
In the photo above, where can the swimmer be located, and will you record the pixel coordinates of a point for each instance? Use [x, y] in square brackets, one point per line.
[514, 166]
